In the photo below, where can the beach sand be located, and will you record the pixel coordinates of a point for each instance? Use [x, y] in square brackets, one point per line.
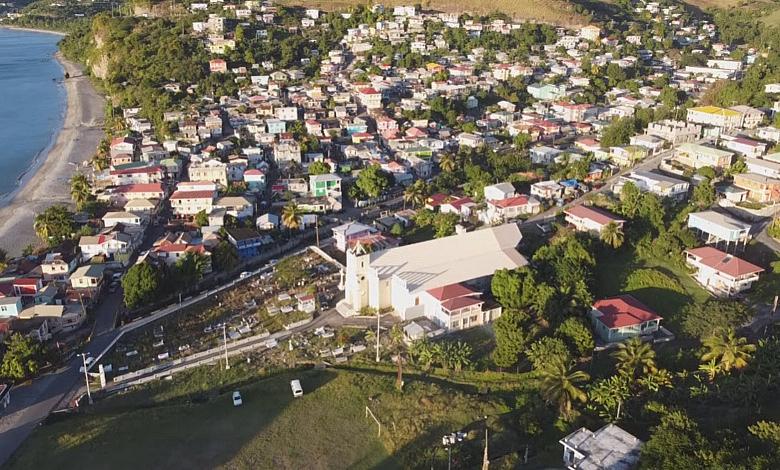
[46, 183]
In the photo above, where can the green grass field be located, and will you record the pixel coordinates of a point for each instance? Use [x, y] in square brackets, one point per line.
[190, 422]
[660, 284]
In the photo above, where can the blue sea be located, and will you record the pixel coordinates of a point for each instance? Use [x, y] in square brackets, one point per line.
[32, 102]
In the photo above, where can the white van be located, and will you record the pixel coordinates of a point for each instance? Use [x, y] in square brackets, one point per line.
[297, 390]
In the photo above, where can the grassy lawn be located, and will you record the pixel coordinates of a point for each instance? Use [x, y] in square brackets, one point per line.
[189, 422]
[660, 284]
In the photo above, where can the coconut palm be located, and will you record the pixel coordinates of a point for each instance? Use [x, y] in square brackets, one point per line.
[80, 190]
[559, 385]
[612, 235]
[728, 351]
[635, 357]
[291, 216]
[397, 349]
[711, 368]
[447, 163]
[415, 194]
[53, 225]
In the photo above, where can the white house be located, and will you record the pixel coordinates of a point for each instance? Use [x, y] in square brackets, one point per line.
[721, 273]
[345, 233]
[500, 191]
[547, 190]
[502, 210]
[715, 228]
[591, 219]
[656, 183]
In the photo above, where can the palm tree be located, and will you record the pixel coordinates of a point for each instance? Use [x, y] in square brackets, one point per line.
[612, 235]
[415, 194]
[54, 224]
[447, 163]
[559, 385]
[635, 357]
[727, 350]
[80, 190]
[712, 369]
[397, 348]
[291, 216]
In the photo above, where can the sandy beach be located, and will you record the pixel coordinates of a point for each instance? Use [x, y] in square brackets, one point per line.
[46, 182]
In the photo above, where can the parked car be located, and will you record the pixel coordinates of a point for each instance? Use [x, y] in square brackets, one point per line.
[244, 275]
[237, 401]
[297, 390]
[88, 362]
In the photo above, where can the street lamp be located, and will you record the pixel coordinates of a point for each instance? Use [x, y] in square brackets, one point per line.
[86, 375]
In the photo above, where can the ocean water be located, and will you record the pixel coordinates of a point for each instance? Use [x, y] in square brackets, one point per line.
[32, 102]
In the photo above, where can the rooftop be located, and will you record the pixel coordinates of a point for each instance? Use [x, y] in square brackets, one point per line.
[623, 310]
[452, 259]
[608, 448]
[724, 262]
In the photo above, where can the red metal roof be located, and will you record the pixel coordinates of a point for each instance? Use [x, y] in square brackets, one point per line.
[460, 302]
[140, 188]
[724, 262]
[511, 201]
[450, 291]
[624, 310]
[193, 195]
[599, 216]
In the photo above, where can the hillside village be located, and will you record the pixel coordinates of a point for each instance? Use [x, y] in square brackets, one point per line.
[458, 172]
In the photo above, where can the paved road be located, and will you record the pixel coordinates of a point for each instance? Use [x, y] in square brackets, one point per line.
[32, 402]
[650, 163]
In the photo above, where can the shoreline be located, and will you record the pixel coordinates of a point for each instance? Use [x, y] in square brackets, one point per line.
[32, 30]
[45, 182]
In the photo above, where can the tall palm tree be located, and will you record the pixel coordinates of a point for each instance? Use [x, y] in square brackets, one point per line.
[612, 235]
[397, 348]
[559, 385]
[728, 351]
[415, 194]
[447, 163]
[53, 225]
[291, 216]
[80, 190]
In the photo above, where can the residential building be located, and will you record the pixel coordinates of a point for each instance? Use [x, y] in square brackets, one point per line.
[676, 132]
[396, 278]
[500, 191]
[255, 180]
[327, 184]
[763, 167]
[106, 244]
[715, 116]
[88, 277]
[60, 318]
[609, 448]
[57, 266]
[456, 307]
[370, 98]
[346, 233]
[591, 219]
[698, 156]
[721, 273]
[208, 170]
[247, 241]
[751, 117]
[590, 32]
[715, 228]
[547, 190]
[189, 203]
[125, 218]
[619, 318]
[502, 210]
[288, 151]
[656, 183]
[10, 306]
[236, 206]
[760, 188]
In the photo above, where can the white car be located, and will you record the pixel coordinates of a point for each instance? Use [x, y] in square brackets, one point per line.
[237, 401]
[297, 390]
[244, 275]
[88, 361]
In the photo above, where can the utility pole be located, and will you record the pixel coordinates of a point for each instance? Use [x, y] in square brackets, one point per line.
[377, 335]
[224, 337]
[86, 376]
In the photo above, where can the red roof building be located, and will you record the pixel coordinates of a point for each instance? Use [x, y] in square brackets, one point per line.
[591, 219]
[721, 273]
[623, 317]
